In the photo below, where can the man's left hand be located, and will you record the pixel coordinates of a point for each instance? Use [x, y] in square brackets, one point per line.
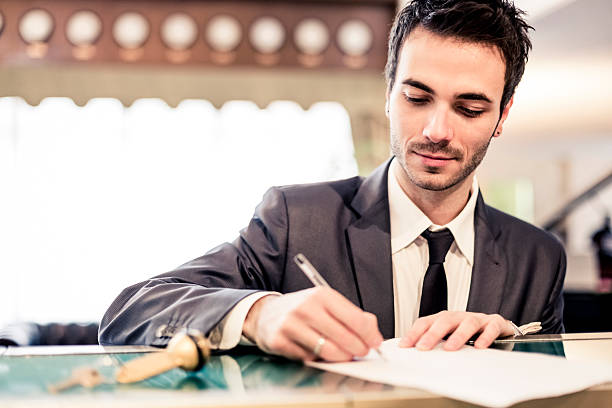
[428, 331]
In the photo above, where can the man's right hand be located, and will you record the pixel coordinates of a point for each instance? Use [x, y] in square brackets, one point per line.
[292, 324]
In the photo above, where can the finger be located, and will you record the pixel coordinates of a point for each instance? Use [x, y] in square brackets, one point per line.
[488, 336]
[285, 347]
[369, 323]
[416, 331]
[364, 325]
[297, 352]
[308, 338]
[507, 329]
[469, 326]
[345, 339]
[443, 324]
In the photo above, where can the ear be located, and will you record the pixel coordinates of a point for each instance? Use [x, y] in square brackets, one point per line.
[503, 117]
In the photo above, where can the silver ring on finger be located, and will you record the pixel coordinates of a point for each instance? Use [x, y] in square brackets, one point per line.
[317, 348]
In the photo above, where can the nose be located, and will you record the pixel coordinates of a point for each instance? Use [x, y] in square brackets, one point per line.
[438, 128]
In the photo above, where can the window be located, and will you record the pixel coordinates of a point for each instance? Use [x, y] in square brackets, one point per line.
[98, 197]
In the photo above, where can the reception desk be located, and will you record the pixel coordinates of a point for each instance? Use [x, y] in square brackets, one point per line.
[246, 378]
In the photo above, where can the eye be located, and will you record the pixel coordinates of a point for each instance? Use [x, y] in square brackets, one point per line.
[470, 113]
[415, 100]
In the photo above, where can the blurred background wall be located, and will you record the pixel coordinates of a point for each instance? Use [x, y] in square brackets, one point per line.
[130, 220]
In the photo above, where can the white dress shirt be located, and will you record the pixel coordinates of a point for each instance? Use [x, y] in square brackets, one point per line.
[410, 253]
[410, 258]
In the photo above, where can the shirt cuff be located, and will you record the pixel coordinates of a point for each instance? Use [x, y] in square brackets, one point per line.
[228, 333]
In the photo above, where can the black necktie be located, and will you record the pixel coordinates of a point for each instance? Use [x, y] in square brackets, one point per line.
[434, 294]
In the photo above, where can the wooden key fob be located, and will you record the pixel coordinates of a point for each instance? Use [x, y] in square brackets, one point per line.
[187, 349]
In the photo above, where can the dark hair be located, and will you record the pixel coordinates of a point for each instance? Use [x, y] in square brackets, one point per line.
[494, 22]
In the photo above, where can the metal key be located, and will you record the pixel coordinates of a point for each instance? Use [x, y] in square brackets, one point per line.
[83, 376]
[186, 350]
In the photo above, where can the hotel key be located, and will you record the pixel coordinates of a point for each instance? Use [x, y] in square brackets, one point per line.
[188, 350]
[82, 376]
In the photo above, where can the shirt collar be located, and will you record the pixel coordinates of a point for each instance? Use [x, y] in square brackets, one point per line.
[408, 221]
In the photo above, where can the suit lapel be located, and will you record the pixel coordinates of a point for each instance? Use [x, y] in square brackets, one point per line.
[488, 272]
[369, 243]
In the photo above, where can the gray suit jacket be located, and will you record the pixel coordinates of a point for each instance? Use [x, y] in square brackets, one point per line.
[343, 229]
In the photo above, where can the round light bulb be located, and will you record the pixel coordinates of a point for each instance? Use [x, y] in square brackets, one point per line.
[83, 28]
[131, 30]
[311, 36]
[36, 26]
[355, 37]
[179, 31]
[267, 35]
[223, 33]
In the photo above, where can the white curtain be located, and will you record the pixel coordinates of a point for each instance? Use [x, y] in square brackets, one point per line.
[96, 198]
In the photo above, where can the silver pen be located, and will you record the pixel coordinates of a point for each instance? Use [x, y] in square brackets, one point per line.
[315, 277]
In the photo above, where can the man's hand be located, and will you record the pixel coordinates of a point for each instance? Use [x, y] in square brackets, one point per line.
[291, 325]
[428, 331]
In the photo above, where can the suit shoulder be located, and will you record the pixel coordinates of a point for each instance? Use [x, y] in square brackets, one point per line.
[343, 190]
[516, 228]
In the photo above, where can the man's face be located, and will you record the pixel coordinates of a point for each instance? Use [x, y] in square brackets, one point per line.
[444, 108]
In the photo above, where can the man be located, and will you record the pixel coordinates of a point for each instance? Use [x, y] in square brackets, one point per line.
[411, 251]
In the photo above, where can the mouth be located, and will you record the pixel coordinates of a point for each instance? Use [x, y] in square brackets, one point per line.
[434, 160]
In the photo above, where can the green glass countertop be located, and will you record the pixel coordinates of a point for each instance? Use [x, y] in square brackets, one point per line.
[30, 371]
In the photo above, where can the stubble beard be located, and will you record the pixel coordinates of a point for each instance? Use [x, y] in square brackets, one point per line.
[429, 180]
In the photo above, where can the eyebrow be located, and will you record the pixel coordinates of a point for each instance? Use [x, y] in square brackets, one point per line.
[471, 96]
[418, 84]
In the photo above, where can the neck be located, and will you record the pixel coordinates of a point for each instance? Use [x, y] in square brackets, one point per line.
[441, 207]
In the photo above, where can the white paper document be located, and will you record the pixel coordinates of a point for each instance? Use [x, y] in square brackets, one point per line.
[488, 377]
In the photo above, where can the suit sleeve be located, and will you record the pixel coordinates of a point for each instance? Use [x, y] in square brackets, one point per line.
[199, 294]
[552, 315]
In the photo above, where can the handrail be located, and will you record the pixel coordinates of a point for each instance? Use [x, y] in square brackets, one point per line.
[554, 221]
